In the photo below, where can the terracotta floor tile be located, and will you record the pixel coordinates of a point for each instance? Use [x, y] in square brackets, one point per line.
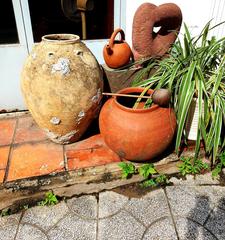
[2, 174]
[6, 131]
[4, 153]
[90, 152]
[27, 130]
[28, 160]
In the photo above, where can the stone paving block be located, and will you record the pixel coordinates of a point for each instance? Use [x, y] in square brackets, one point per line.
[74, 228]
[111, 203]
[194, 202]
[191, 230]
[84, 206]
[121, 226]
[8, 226]
[221, 202]
[45, 217]
[162, 229]
[29, 160]
[29, 232]
[202, 179]
[7, 127]
[27, 130]
[150, 207]
[216, 223]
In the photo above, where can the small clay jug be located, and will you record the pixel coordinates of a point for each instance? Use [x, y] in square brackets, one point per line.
[117, 53]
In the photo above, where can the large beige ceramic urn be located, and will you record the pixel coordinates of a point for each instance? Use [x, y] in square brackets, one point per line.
[62, 85]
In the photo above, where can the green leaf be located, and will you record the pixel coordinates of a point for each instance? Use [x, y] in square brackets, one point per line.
[222, 158]
[161, 179]
[205, 34]
[218, 128]
[128, 169]
[146, 170]
[139, 98]
[218, 78]
[173, 76]
[149, 183]
[183, 115]
[216, 171]
[50, 199]
[186, 86]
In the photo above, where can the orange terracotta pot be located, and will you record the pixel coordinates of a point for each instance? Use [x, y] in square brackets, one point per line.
[136, 134]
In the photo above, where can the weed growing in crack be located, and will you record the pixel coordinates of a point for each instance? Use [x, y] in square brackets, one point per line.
[50, 200]
[192, 166]
[128, 169]
[147, 171]
[220, 165]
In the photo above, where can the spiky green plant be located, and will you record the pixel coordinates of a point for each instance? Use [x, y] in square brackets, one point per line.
[195, 68]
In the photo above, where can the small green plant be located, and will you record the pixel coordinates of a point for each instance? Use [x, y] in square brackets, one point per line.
[50, 199]
[192, 166]
[25, 207]
[149, 183]
[156, 181]
[147, 170]
[221, 164]
[128, 169]
[5, 212]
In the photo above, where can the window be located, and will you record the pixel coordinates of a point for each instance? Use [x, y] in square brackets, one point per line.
[8, 30]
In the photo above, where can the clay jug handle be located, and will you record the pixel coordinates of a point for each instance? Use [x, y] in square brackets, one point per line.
[112, 39]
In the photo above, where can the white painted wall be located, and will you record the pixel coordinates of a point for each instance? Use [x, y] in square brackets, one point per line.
[196, 13]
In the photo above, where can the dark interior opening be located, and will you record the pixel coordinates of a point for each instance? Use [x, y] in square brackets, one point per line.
[130, 101]
[8, 30]
[47, 17]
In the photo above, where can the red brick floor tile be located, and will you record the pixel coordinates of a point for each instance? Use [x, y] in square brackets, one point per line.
[90, 152]
[2, 174]
[7, 127]
[28, 160]
[4, 153]
[27, 130]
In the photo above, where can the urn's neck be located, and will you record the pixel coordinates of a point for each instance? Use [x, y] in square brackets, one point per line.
[61, 38]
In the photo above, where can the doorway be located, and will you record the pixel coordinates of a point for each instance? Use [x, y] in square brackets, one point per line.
[24, 22]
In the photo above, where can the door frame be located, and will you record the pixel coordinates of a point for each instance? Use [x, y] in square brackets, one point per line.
[96, 45]
[13, 55]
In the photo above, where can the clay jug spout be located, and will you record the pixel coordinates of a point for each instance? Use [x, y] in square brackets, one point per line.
[109, 50]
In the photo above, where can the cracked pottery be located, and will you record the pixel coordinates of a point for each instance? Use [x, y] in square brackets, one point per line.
[136, 134]
[62, 83]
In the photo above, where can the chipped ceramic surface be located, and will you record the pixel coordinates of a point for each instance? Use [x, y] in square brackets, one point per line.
[62, 66]
[61, 139]
[97, 98]
[55, 120]
[34, 55]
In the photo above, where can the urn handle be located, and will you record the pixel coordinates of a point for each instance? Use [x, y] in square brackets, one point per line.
[113, 36]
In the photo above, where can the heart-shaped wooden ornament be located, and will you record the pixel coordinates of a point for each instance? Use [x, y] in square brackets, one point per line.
[145, 40]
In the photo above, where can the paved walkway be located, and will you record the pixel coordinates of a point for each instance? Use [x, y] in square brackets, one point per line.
[176, 212]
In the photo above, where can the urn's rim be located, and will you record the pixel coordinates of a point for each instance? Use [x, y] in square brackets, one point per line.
[131, 90]
[61, 38]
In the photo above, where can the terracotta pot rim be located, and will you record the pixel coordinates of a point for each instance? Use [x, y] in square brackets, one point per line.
[131, 90]
[61, 38]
